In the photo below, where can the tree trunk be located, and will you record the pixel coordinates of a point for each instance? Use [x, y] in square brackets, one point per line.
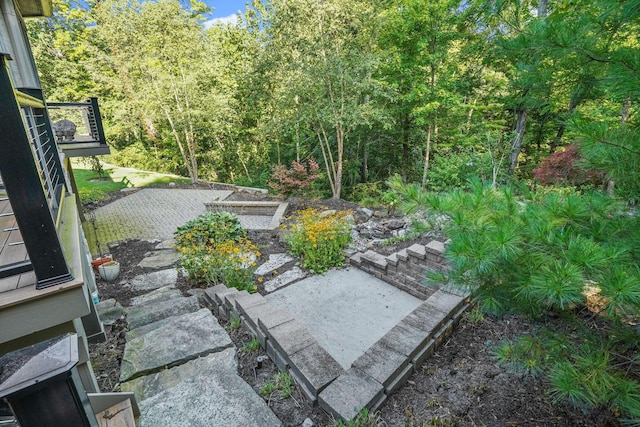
[338, 179]
[543, 7]
[573, 103]
[364, 169]
[405, 150]
[425, 170]
[176, 135]
[516, 143]
[625, 111]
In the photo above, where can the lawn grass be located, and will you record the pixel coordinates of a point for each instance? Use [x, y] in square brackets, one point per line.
[93, 188]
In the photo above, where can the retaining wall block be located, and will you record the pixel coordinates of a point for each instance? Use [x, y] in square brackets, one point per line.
[356, 259]
[230, 300]
[220, 295]
[418, 251]
[424, 354]
[315, 367]
[278, 358]
[406, 339]
[435, 247]
[254, 312]
[250, 300]
[375, 259]
[272, 317]
[392, 259]
[381, 363]
[349, 393]
[426, 317]
[290, 337]
[402, 255]
[210, 293]
[446, 301]
[256, 332]
[399, 380]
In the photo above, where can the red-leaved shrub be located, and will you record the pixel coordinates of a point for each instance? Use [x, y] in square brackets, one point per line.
[292, 180]
[561, 168]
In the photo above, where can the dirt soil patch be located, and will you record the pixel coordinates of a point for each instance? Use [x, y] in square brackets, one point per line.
[460, 385]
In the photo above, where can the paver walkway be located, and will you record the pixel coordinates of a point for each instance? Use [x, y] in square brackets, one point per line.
[150, 213]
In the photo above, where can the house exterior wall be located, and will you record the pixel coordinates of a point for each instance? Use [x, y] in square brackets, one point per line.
[13, 40]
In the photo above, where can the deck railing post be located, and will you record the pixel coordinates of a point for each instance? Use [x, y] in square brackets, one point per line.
[24, 188]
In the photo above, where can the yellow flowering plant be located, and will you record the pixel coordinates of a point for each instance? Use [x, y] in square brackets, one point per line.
[213, 250]
[319, 239]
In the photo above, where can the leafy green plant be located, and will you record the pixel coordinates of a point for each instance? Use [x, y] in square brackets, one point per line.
[234, 322]
[475, 316]
[251, 346]
[95, 165]
[281, 382]
[318, 238]
[212, 249]
[210, 228]
[367, 194]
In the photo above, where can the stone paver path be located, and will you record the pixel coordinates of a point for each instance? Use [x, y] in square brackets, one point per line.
[181, 364]
[151, 213]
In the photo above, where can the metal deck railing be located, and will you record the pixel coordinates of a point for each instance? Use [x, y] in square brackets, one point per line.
[34, 186]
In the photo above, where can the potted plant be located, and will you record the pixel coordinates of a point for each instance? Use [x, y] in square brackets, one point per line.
[109, 271]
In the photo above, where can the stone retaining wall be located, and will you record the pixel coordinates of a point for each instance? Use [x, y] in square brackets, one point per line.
[244, 207]
[379, 372]
[405, 269]
[275, 210]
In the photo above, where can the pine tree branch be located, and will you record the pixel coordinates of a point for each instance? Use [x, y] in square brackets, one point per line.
[637, 153]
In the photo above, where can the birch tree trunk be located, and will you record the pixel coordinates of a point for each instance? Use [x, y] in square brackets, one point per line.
[516, 143]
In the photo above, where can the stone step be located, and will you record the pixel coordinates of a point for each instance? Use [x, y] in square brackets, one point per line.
[109, 311]
[284, 279]
[201, 393]
[149, 313]
[161, 294]
[275, 262]
[171, 343]
[154, 280]
[159, 259]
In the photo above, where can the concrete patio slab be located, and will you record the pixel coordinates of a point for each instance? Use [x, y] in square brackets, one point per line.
[345, 310]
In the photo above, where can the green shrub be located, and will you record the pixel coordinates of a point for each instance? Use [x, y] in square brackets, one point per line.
[319, 239]
[213, 249]
[208, 229]
[565, 258]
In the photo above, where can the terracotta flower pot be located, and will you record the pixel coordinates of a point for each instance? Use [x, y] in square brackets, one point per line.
[99, 261]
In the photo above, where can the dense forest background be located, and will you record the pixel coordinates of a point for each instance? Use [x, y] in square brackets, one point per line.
[515, 121]
[435, 91]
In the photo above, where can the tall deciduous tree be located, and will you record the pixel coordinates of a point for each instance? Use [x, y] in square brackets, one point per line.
[421, 40]
[320, 64]
[153, 52]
